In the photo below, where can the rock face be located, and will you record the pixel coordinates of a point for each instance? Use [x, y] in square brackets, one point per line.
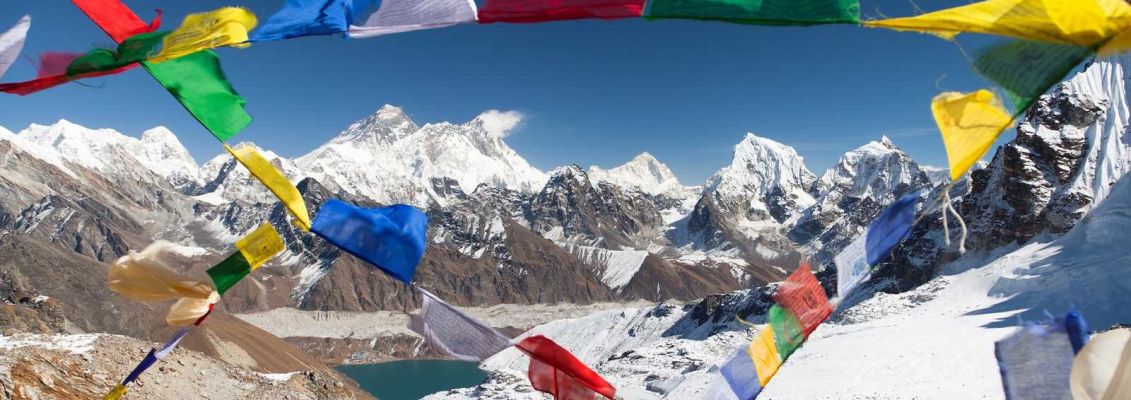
[87, 366]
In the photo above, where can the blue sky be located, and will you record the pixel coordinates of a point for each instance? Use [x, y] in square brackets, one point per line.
[590, 92]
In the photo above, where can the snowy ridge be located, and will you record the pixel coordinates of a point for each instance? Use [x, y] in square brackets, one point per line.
[763, 169]
[643, 172]
[617, 266]
[388, 158]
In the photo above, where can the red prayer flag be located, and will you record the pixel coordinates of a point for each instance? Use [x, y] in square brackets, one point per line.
[802, 294]
[53, 72]
[558, 10]
[555, 371]
[115, 18]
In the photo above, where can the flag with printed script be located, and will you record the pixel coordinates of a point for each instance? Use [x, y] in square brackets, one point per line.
[558, 10]
[1087, 23]
[391, 238]
[12, 43]
[801, 293]
[788, 335]
[227, 26]
[198, 83]
[144, 276]
[555, 371]
[395, 16]
[854, 263]
[1102, 369]
[274, 180]
[457, 334]
[300, 18]
[1027, 69]
[759, 12]
[1035, 362]
[969, 123]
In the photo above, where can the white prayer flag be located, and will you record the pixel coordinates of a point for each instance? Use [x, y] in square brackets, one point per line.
[12, 42]
[1035, 363]
[455, 333]
[852, 266]
[396, 16]
[173, 342]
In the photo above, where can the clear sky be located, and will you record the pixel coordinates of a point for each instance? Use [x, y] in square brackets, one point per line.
[590, 92]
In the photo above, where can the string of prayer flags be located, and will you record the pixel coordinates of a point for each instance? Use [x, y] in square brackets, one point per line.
[555, 371]
[1027, 69]
[1102, 370]
[524, 11]
[1086, 23]
[801, 294]
[391, 238]
[12, 43]
[115, 18]
[969, 123]
[300, 18]
[227, 26]
[396, 16]
[53, 72]
[198, 83]
[1035, 362]
[759, 12]
[854, 263]
[256, 248]
[457, 334]
[275, 181]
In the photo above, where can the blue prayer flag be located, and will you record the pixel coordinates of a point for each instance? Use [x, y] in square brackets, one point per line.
[1077, 330]
[890, 227]
[392, 238]
[741, 375]
[312, 17]
[141, 367]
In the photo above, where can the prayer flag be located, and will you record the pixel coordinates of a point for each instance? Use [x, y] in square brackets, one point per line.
[1026, 69]
[759, 12]
[199, 84]
[801, 293]
[311, 17]
[188, 310]
[53, 72]
[788, 335]
[1102, 370]
[893, 224]
[12, 43]
[115, 18]
[1087, 23]
[116, 393]
[1035, 363]
[555, 371]
[1077, 330]
[260, 245]
[274, 180]
[227, 26]
[969, 123]
[145, 363]
[852, 266]
[558, 10]
[131, 51]
[228, 272]
[397, 16]
[143, 276]
[172, 342]
[742, 376]
[391, 238]
[763, 351]
[457, 334]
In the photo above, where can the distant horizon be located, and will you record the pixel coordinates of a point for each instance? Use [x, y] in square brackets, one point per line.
[584, 92]
[200, 161]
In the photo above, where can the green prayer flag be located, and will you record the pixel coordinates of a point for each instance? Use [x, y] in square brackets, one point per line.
[197, 81]
[1026, 69]
[759, 12]
[132, 50]
[228, 272]
[788, 334]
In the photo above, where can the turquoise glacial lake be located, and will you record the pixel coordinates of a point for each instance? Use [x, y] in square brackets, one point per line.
[413, 379]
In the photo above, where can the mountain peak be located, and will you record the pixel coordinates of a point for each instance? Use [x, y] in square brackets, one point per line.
[643, 172]
[387, 125]
[390, 112]
[761, 171]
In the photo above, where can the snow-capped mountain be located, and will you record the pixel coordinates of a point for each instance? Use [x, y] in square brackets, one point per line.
[388, 158]
[643, 172]
[765, 181]
[852, 193]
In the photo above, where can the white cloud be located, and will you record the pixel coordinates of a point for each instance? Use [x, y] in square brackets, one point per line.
[500, 124]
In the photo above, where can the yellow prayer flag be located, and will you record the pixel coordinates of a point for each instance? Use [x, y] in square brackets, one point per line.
[969, 123]
[764, 353]
[227, 26]
[275, 181]
[260, 245]
[116, 393]
[1118, 44]
[1085, 23]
